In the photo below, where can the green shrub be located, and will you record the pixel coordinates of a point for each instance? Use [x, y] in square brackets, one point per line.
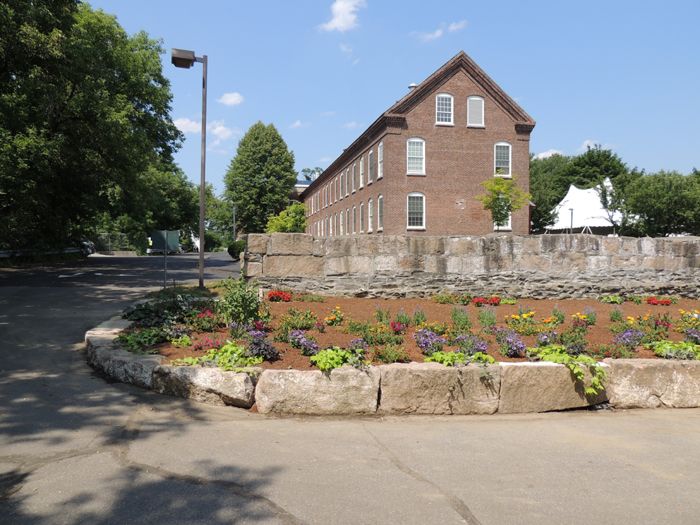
[558, 316]
[391, 354]
[239, 302]
[676, 349]
[330, 358]
[464, 298]
[142, 340]
[403, 318]
[612, 299]
[487, 318]
[292, 219]
[235, 249]
[296, 320]
[382, 316]
[509, 300]
[309, 298]
[419, 317]
[444, 298]
[458, 358]
[231, 357]
[616, 315]
[460, 320]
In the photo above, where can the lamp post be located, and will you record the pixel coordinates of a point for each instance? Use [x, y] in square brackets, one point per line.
[186, 59]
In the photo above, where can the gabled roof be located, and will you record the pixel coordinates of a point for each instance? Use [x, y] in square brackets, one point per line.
[395, 115]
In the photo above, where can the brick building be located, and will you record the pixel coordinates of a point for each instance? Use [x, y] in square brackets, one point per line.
[418, 168]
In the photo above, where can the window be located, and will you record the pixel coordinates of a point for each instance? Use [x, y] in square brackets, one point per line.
[415, 211]
[501, 159]
[341, 186]
[338, 196]
[380, 213]
[354, 177]
[354, 219]
[475, 112]
[331, 192]
[415, 156]
[362, 171]
[362, 217]
[330, 227]
[370, 215]
[347, 221]
[508, 226]
[380, 160]
[342, 225]
[443, 110]
[347, 182]
[370, 167]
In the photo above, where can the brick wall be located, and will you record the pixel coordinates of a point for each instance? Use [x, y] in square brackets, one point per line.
[529, 266]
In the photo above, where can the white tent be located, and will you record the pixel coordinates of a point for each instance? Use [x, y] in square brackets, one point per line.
[588, 212]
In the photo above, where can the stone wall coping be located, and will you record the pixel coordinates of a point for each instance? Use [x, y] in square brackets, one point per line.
[410, 388]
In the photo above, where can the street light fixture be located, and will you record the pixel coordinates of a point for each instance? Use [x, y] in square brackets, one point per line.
[186, 59]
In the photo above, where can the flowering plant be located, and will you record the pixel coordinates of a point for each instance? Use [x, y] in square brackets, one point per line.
[335, 318]
[523, 322]
[307, 345]
[428, 341]
[435, 327]
[204, 321]
[689, 319]
[509, 342]
[397, 327]
[207, 343]
[276, 296]
[692, 335]
[482, 301]
[655, 301]
[470, 344]
[630, 338]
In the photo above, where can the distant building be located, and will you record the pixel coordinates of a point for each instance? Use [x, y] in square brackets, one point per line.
[418, 168]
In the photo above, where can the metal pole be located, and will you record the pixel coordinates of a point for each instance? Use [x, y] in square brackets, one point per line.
[571, 229]
[203, 60]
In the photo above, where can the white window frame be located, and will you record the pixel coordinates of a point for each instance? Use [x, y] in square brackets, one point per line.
[416, 194]
[362, 172]
[342, 223]
[422, 170]
[483, 106]
[342, 192]
[370, 162]
[347, 182]
[452, 110]
[370, 215]
[347, 221]
[354, 176]
[507, 228]
[337, 190]
[362, 217]
[380, 212]
[510, 160]
[380, 160]
[354, 220]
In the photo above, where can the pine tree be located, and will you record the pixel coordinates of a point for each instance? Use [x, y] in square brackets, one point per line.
[260, 177]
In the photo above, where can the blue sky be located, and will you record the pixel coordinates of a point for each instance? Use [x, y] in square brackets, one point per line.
[625, 74]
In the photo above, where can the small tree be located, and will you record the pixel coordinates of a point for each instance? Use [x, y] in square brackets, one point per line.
[502, 197]
[290, 220]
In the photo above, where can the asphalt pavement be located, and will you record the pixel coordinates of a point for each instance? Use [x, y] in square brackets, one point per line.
[76, 448]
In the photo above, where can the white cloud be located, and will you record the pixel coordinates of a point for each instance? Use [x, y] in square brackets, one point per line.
[588, 143]
[219, 130]
[456, 26]
[187, 126]
[350, 125]
[328, 113]
[452, 27]
[231, 99]
[298, 124]
[548, 153]
[348, 52]
[344, 15]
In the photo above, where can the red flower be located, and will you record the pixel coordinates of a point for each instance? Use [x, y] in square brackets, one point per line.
[276, 296]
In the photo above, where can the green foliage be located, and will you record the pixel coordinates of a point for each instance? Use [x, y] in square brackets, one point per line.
[419, 317]
[509, 300]
[636, 299]
[239, 302]
[295, 320]
[187, 361]
[309, 298]
[235, 249]
[182, 341]
[676, 349]
[548, 185]
[260, 177]
[330, 358]
[86, 137]
[612, 299]
[292, 219]
[487, 318]
[391, 353]
[616, 315]
[382, 316]
[403, 318]
[459, 358]
[502, 197]
[444, 298]
[374, 334]
[142, 340]
[558, 316]
[460, 320]
[231, 357]
[665, 203]
[575, 364]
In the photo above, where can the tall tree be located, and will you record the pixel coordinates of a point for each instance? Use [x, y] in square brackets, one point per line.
[260, 177]
[502, 197]
[665, 203]
[548, 185]
[84, 116]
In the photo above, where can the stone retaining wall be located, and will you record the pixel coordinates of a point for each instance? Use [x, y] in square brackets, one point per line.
[538, 266]
[401, 389]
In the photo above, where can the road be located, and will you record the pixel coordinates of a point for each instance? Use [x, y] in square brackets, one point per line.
[75, 448]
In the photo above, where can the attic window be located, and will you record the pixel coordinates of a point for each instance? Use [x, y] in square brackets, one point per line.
[475, 112]
[443, 110]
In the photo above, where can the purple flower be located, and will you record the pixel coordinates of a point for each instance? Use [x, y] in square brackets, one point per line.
[510, 343]
[631, 338]
[470, 344]
[358, 344]
[307, 345]
[428, 341]
[547, 338]
[693, 335]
